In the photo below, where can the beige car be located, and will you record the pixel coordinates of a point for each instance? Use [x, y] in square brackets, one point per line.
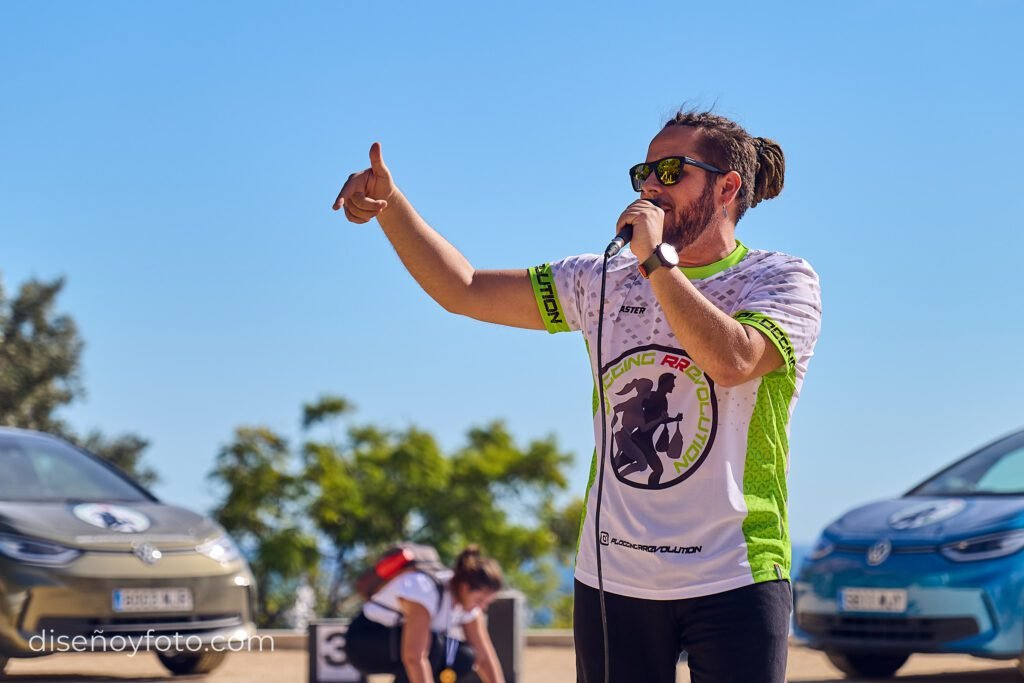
[91, 561]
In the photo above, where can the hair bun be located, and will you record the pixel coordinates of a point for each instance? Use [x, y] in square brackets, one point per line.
[469, 558]
[476, 571]
[771, 170]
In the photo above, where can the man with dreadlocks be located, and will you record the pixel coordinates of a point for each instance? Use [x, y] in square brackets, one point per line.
[698, 557]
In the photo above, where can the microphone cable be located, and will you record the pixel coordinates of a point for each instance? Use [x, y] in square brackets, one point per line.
[600, 476]
[611, 251]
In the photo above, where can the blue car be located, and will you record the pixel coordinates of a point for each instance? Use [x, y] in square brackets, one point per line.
[938, 570]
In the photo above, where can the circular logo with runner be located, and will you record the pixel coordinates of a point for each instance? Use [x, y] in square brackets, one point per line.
[662, 416]
[112, 517]
[926, 513]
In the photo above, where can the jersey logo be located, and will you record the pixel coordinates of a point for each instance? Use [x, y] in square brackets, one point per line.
[663, 418]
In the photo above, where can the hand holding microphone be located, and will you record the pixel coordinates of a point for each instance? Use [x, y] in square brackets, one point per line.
[641, 223]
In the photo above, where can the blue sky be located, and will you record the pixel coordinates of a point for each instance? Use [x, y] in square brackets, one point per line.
[177, 163]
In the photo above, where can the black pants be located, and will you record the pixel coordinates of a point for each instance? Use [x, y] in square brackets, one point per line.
[377, 649]
[739, 635]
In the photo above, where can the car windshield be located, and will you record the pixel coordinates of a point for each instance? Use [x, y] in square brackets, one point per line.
[997, 469]
[37, 468]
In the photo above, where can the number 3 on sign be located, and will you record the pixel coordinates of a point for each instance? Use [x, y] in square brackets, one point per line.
[331, 662]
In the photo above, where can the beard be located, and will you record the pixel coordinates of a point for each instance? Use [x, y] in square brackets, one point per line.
[683, 230]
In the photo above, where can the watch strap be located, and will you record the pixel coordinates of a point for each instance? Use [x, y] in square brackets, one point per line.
[653, 262]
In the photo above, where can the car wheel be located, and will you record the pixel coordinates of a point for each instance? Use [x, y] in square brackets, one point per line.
[868, 664]
[187, 663]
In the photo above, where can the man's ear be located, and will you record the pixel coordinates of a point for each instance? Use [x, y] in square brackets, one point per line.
[729, 187]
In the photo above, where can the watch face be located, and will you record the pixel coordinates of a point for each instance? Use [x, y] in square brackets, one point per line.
[668, 254]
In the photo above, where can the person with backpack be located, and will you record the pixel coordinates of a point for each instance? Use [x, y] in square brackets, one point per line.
[424, 623]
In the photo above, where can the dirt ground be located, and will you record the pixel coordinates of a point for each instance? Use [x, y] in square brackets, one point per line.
[542, 665]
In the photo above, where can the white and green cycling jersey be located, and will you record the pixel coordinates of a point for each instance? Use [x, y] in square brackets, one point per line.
[695, 498]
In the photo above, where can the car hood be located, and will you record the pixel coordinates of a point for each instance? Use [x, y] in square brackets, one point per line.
[108, 526]
[928, 519]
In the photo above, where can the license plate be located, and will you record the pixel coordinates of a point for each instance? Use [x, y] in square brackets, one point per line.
[153, 600]
[873, 600]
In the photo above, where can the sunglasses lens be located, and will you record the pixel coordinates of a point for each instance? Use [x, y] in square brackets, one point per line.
[638, 174]
[669, 171]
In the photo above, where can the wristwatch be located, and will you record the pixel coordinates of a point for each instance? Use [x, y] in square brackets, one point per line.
[664, 255]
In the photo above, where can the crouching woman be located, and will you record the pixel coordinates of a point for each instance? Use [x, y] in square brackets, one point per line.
[413, 627]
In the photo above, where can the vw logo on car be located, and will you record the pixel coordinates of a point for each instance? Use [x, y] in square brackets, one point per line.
[879, 553]
[147, 553]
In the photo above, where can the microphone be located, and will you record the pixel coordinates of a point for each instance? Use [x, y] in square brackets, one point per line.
[624, 236]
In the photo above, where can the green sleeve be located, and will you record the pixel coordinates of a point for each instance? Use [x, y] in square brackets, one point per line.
[771, 329]
[544, 290]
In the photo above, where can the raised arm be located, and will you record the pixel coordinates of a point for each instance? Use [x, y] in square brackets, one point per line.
[504, 297]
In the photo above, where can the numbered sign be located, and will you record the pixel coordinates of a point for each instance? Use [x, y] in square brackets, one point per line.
[327, 660]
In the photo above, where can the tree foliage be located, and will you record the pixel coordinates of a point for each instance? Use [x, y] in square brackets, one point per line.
[261, 510]
[40, 373]
[39, 358]
[354, 496]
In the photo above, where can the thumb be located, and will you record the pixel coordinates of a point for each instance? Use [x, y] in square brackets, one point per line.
[377, 160]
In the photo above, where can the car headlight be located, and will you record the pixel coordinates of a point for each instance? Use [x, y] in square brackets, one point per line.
[823, 548]
[34, 551]
[222, 549]
[985, 547]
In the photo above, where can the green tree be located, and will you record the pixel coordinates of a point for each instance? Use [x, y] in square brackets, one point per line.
[40, 357]
[262, 511]
[565, 524]
[381, 486]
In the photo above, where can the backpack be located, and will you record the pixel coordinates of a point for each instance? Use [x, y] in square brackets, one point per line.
[397, 559]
